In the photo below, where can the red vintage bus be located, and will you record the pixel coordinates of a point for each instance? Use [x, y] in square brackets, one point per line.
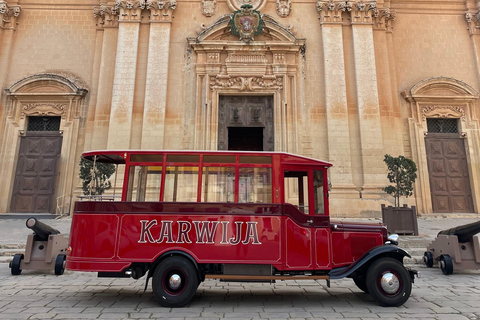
[185, 216]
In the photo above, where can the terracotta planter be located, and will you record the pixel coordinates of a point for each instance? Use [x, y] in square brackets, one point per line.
[402, 220]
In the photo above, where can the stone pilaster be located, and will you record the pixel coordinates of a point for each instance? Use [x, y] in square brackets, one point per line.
[8, 22]
[372, 148]
[336, 90]
[107, 22]
[473, 26]
[157, 73]
[120, 122]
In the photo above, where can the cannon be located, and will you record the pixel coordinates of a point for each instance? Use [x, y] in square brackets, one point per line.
[455, 248]
[46, 249]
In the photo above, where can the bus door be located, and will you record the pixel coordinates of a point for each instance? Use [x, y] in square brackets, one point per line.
[307, 226]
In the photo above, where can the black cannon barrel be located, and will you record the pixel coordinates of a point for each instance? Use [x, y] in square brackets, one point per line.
[42, 230]
[464, 233]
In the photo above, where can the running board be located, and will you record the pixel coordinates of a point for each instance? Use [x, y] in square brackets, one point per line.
[267, 278]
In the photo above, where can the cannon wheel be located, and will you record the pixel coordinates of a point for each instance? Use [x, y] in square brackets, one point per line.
[60, 264]
[175, 282]
[15, 264]
[428, 259]
[388, 282]
[361, 282]
[446, 264]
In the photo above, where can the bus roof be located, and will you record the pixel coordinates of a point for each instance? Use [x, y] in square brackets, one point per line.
[119, 156]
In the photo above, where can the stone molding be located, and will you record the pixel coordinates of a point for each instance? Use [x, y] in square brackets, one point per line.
[129, 10]
[161, 10]
[106, 16]
[8, 15]
[246, 83]
[44, 110]
[442, 111]
[473, 22]
[209, 7]
[331, 11]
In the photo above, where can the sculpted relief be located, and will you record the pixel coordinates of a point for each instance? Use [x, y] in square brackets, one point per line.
[283, 7]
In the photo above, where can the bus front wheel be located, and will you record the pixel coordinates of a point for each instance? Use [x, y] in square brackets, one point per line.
[175, 282]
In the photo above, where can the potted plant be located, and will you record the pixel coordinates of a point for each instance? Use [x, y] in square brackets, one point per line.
[402, 173]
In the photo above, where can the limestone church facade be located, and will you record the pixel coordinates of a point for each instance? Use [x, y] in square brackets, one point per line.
[342, 81]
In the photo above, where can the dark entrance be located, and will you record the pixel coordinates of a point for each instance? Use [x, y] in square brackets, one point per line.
[246, 139]
[37, 167]
[245, 123]
[447, 168]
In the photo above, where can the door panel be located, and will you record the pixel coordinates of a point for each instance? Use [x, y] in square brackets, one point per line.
[36, 174]
[448, 172]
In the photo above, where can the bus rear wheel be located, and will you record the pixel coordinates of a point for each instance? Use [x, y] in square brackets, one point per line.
[175, 282]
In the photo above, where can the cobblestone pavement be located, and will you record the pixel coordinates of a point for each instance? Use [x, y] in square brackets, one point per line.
[77, 295]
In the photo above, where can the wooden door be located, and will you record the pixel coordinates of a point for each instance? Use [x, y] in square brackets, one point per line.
[245, 123]
[36, 174]
[448, 172]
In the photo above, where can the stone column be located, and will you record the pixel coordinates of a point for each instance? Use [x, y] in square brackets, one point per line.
[336, 91]
[473, 26]
[372, 148]
[120, 122]
[107, 20]
[157, 73]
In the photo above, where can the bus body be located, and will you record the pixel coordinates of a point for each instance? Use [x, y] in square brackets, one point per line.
[184, 216]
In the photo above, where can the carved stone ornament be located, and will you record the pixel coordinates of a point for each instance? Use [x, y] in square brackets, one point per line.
[331, 11]
[129, 9]
[246, 83]
[235, 5]
[209, 7]
[44, 109]
[107, 16]
[8, 15]
[383, 19]
[473, 22]
[283, 7]
[160, 10]
[443, 112]
[246, 23]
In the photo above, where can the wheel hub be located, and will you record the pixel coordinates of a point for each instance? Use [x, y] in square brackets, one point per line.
[175, 281]
[390, 283]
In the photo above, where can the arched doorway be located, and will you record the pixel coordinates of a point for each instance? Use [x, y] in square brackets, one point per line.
[42, 130]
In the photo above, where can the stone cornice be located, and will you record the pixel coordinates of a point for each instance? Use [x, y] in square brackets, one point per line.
[161, 10]
[107, 16]
[129, 10]
[8, 15]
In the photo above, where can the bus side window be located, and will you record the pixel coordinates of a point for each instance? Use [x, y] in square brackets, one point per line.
[144, 183]
[218, 184]
[296, 189]
[255, 185]
[318, 192]
[181, 184]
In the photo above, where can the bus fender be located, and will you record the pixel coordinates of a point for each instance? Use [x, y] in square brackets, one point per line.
[386, 250]
[201, 276]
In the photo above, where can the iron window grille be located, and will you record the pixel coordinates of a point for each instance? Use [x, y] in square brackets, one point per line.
[43, 124]
[441, 125]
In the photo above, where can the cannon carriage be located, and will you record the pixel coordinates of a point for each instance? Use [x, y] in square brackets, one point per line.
[455, 248]
[45, 249]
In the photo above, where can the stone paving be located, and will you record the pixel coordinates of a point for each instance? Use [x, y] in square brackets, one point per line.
[78, 295]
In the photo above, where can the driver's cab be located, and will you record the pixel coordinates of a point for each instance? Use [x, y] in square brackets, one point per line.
[306, 189]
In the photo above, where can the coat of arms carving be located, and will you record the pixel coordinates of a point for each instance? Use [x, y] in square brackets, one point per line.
[209, 7]
[246, 23]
